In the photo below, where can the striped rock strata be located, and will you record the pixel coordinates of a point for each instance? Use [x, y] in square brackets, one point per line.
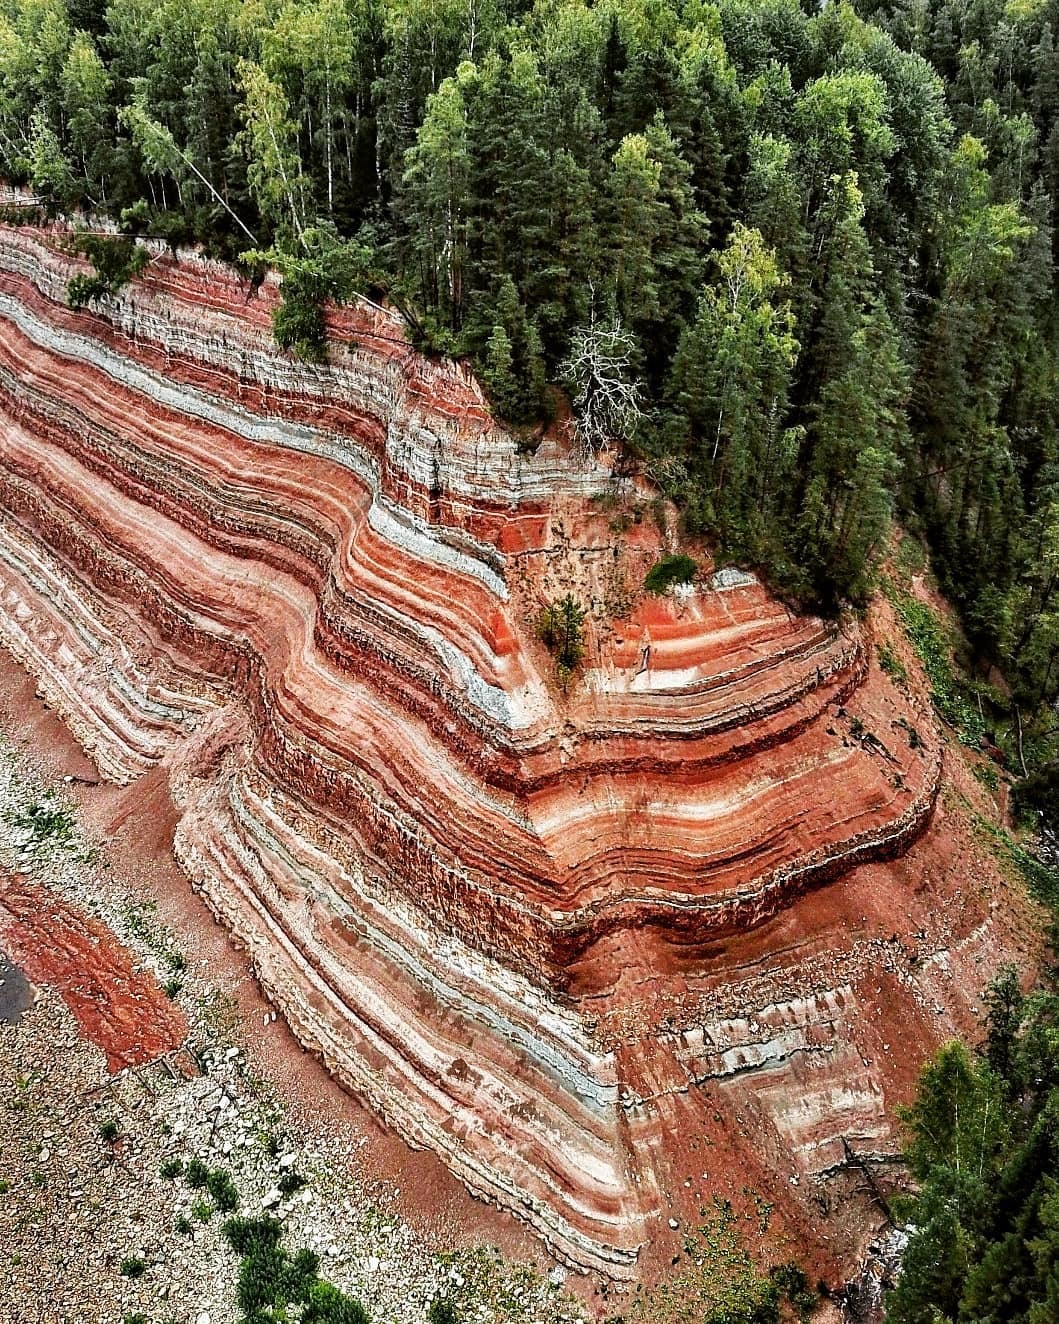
[310, 594]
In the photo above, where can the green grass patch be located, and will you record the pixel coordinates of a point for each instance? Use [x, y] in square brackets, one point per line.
[934, 649]
[670, 570]
[891, 663]
[274, 1284]
[46, 821]
[142, 921]
[1041, 880]
[911, 558]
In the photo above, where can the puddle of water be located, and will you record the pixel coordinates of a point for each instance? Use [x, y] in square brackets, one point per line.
[16, 992]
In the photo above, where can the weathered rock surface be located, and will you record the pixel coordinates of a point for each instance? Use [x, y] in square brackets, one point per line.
[503, 914]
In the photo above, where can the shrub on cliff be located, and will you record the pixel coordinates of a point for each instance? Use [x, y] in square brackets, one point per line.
[116, 260]
[322, 269]
[560, 628]
[668, 571]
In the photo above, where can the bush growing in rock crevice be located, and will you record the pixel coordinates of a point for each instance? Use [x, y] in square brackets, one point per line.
[670, 570]
[560, 628]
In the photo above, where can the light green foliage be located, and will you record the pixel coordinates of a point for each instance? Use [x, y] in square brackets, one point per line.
[274, 170]
[983, 1144]
[891, 663]
[323, 269]
[1041, 879]
[934, 649]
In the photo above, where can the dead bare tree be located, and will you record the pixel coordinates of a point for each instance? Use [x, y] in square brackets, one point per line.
[598, 372]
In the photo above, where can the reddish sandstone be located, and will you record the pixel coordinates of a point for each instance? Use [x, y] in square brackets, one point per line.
[568, 938]
[120, 1008]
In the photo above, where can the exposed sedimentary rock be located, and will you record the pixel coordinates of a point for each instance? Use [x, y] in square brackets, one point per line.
[311, 593]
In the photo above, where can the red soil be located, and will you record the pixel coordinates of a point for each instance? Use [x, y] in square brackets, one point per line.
[120, 1009]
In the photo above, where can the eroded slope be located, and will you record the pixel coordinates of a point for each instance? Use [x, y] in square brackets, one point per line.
[310, 595]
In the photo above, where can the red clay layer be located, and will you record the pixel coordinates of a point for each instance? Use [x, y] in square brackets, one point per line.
[120, 1009]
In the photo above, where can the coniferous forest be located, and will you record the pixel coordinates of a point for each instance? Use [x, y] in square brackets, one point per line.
[799, 258]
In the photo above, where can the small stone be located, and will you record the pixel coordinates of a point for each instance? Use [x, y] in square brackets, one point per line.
[271, 1198]
[204, 1317]
[674, 1224]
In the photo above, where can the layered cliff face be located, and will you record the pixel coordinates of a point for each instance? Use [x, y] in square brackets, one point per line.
[562, 938]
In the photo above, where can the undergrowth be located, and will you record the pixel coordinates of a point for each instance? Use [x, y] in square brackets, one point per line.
[141, 917]
[934, 649]
[46, 821]
[722, 1284]
[1041, 879]
[273, 1284]
[891, 663]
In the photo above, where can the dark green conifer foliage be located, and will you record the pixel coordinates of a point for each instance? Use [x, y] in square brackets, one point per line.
[510, 174]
